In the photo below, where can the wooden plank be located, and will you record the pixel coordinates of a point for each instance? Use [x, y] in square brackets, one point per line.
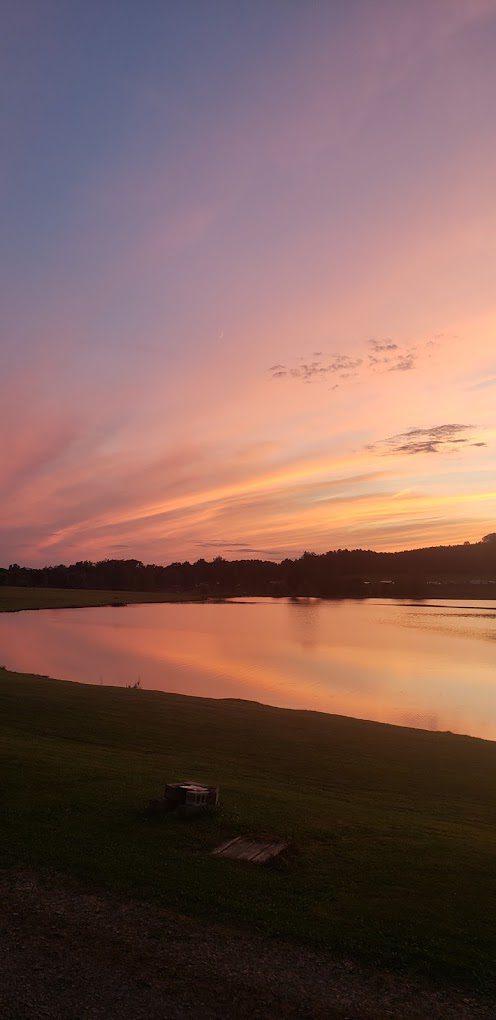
[223, 847]
[248, 850]
[239, 847]
[233, 848]
[268, 851]
[236, 847]
[243, 848]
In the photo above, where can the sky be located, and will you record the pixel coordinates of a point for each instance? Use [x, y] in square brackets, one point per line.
[248, 277]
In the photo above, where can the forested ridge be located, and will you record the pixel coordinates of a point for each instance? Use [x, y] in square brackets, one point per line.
[466, 569]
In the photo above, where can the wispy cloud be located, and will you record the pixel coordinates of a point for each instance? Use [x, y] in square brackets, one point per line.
[338, 364]
[238, 547]
[379, 346]
[374, 357]
[436, 439]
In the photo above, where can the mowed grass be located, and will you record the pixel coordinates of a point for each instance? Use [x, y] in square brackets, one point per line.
[13, 599]
[393, 830]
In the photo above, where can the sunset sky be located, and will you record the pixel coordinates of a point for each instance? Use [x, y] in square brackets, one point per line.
[248, 283]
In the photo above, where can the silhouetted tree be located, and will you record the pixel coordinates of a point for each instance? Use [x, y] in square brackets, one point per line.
[354, 573]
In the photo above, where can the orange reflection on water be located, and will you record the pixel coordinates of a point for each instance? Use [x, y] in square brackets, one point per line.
[422, 665]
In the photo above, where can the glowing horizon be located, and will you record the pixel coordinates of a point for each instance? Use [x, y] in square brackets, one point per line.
[249, 284]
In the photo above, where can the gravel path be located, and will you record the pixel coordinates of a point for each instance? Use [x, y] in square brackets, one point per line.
[70, 955]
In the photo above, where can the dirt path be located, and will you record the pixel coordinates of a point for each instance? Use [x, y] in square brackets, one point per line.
[70, 955]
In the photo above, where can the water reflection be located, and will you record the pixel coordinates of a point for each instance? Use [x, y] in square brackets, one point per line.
[430, 665]
[303, 621]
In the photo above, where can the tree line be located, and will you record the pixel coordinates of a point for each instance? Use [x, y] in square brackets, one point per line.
[456, 570]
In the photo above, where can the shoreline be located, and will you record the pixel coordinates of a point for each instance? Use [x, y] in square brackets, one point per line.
[384, 821]
[121, 674]
[21, 599]
[13, 674]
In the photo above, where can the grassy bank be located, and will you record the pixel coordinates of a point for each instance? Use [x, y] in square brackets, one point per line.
[12, 599]
[393, 829]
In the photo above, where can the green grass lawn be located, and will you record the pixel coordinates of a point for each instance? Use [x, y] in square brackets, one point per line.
[394, 830]
[13, 599]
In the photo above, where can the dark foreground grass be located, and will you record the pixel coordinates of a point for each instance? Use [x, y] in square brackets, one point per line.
[13, 599]
[394, 855]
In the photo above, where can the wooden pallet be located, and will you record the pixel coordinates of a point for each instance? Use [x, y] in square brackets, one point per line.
[244, 848]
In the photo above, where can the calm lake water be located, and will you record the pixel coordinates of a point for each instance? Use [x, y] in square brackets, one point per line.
[429, 664]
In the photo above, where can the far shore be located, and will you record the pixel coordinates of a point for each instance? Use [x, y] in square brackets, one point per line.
[17, 599]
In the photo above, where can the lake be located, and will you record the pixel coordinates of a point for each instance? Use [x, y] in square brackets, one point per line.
[427, 664]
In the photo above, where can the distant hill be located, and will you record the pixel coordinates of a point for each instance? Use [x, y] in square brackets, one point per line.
[451, 570]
